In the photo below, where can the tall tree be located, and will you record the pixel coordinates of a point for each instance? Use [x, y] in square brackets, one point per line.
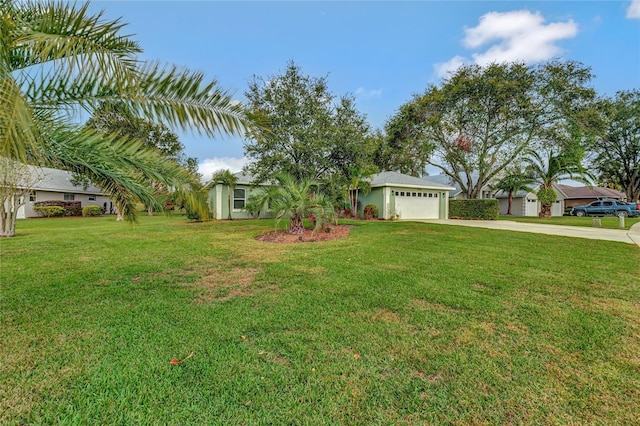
[306, 133]
[58, 58]
[481, 119]
[617, 154]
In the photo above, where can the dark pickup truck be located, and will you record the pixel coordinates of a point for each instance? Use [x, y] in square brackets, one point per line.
[607, 208]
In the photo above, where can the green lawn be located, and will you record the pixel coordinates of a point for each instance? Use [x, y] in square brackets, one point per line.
[401, 323]
[606, 222]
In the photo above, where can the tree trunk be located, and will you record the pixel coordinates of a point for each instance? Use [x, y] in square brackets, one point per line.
[296, 226]
[545, 210]
[150, 211]
[510, 201]
[8, 214]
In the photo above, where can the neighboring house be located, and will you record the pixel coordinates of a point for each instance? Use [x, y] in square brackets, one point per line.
[582, 195]
[401, 196]
[52, 184]
[526, 203]
[456, 193]
[219, 201]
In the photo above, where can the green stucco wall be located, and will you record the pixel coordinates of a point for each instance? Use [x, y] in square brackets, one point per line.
[222, 211]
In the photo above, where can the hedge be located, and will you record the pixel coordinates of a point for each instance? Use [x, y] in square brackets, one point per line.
[71, 208]
[486, 209]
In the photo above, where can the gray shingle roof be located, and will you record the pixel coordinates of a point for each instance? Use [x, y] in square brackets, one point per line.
[399, 179]
[54, 180]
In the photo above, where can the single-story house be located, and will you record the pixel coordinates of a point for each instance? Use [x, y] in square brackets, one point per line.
[52, 184]
[526, 203]
[401, 196]
[394, 194]
[582, 195]
[219, 198]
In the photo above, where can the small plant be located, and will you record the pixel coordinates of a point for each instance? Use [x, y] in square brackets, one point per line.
[91, 211]
[49, 211]
[370, 212]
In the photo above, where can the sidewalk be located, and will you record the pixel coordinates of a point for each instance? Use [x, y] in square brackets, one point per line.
[632, 236]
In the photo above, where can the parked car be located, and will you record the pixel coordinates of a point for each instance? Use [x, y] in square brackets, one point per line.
[607, 208]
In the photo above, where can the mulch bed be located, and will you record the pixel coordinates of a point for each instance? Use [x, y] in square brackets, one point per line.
[282, 237]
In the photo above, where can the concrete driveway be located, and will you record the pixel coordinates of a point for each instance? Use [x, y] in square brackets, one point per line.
[632, 236]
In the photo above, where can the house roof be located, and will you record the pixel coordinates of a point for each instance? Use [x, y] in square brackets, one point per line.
[399, 179]
[586, 192]
[54, 180]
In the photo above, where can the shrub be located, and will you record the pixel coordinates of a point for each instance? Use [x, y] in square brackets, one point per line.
[370, 212]
[474, 209]
[49, 211]
[70, 208]
[91, 211]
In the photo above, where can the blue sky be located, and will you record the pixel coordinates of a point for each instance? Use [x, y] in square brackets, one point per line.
[380, 52]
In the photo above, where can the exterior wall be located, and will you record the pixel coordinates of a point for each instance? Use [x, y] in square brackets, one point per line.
[528, 206]
[219, 202]
[375, 197]
[100, 201]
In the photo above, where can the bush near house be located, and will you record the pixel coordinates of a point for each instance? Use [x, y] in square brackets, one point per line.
[70, 208]
[370, 212]
[474, 209]
[49, 211]
[91, 211]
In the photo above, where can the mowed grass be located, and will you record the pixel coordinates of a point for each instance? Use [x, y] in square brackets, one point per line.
[609, 222]
[401, 323]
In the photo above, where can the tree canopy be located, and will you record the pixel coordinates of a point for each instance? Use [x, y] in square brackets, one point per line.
[307, 133]
[617, 154]
[481, 119]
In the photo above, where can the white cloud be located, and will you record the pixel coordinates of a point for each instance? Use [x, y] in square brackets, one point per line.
[212, 165]
[633, 12]
[444, 68]
[368, 94]
[511, 36]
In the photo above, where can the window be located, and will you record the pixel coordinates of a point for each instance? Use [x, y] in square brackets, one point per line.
[607, 203]
[92, 197]
[32, 195]
[238, 199]
[402, 193]
[69, 197]
[435, 195]
[419, 194]
[414, 194]
[430, 195]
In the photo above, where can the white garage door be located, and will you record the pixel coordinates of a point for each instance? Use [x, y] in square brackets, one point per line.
[418, 204]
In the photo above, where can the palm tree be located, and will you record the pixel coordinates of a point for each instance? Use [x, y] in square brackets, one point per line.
[297, 199]
[512, 183]
[58, 60]
[555, 166]
[225, 177]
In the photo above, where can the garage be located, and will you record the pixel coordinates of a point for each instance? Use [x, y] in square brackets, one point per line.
[417, 204]
[400, 196]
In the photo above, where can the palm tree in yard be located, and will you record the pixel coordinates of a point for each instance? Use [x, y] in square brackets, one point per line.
[298, 199]
[58, 61]
[225, 177]
[550, 167]
[512, 183]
